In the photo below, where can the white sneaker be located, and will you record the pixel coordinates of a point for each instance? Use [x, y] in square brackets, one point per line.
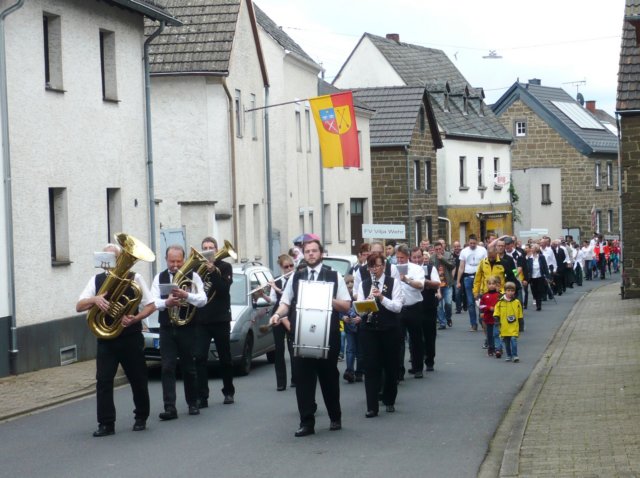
[508, 359]
[516, 359]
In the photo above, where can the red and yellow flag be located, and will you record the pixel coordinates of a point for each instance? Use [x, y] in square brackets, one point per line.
[337, 131]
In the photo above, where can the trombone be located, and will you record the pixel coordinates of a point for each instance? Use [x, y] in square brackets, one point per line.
[268, 284]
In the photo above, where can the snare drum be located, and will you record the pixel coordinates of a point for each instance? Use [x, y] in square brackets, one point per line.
[313, 319]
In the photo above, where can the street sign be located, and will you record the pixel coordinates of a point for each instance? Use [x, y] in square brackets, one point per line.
[383, 231]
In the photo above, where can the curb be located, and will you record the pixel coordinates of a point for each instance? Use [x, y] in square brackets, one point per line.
[503, 457]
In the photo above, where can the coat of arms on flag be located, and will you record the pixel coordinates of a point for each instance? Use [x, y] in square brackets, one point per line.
[336, 120]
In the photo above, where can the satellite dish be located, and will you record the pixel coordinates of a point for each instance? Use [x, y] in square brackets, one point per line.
[580, 99]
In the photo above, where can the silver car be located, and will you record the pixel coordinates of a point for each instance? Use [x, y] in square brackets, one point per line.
[250, 312]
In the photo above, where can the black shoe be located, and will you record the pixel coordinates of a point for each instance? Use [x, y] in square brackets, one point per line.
[292, 385]
[281, 388]
[349, 376]
[139, 425]
[303, 431]
[104, 430]
[418, 374]
[228, 399]
[371, 413]
[168, 414]
[411, 371]
[194, 410]
[391, 409]
[429, 368]
[449, 323]
[335, 425]
[358, 378]
[442, 327]
[203, 403]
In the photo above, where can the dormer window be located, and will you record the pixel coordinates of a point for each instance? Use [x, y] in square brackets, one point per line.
[465, 101]
[447, 91]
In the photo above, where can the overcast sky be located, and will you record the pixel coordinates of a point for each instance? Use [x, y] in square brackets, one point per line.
[559, 41]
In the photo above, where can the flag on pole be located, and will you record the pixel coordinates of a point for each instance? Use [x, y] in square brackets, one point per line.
[337, 131]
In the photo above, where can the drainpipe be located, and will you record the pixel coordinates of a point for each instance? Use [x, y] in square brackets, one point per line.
[150, 185]
[6, 151]
[232, 152]
[622, 274]
[409, 195]
[267, 166]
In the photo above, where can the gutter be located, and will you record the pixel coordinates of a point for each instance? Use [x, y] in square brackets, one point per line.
[232, 152]
[147, 114]
[409, 195]
[6, 164]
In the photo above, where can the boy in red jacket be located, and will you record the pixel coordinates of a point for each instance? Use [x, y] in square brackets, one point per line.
[487, 304]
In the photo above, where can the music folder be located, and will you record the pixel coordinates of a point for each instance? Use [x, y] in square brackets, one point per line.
[165, 289]
[403, 268]
[104, 260]
[365, 306]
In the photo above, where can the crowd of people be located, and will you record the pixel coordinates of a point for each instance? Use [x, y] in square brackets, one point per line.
[394, 296]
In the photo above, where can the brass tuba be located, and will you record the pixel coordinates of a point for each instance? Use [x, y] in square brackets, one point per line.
[123, 294]
[197, 262]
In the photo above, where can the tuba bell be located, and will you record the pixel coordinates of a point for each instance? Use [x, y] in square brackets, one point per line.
[123, 294]
[226, 251]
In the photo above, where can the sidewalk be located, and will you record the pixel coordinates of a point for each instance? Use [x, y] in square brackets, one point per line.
[578, 414]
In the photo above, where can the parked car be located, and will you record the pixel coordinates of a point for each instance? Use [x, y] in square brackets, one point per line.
[249, 312]
[342, 264]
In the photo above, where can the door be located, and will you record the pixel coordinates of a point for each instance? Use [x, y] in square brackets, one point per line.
[357, 220]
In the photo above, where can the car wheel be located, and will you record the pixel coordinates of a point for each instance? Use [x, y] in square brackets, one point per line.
[271, 356]
[244, 366]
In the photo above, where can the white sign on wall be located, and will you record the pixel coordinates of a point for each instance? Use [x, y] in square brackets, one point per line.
[383, 231]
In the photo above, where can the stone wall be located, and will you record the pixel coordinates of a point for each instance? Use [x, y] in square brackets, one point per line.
[544, 147]
[630, 198]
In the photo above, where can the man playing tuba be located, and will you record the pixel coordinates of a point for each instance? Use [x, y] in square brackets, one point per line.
[177, 338]
[125, 349]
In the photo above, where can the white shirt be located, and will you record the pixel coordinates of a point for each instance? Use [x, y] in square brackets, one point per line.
[535, 268]
[588, 253]
[397, 300]
[90, 290]
[472, 258]
[197, 298]
[341, 294]
[550, 257]
[357, 278]
[411, 294]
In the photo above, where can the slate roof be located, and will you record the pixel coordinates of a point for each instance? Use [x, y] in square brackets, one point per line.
[284, 40]
[153, 9]
[325, 88]
[539, 98]
[629, 71]
[397, 109]
[203, 44]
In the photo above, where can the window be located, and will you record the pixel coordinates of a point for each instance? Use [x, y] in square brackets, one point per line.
[418, 230]
[254, 117]
[298, 132]
[598, 172]
[59, 225]
[237, 104]
[52, 36]
[422, 121]
[341, 222]
[546, 194]
[311, 224]
[521, 128]
[301, 221]
[480, 172]
[598, 220]
[610, 220]
[416, 175]
[114, 212]
[463, 172]
[429, 230]
[108, 65]
[327, 223]
[307, 123]
[427, 175]
[609, 175]
[496, 167]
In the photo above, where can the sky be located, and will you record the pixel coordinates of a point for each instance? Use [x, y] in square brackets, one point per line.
[571, 44]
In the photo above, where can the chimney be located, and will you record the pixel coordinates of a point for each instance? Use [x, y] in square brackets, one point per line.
[535, 81]
[591, 105]
[394, 36]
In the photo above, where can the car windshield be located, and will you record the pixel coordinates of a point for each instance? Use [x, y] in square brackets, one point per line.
[340, 265]
[239, 290]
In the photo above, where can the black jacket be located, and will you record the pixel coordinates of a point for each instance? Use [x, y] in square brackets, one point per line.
[217, 309]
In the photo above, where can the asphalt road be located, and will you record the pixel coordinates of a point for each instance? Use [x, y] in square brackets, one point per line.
[442, 426]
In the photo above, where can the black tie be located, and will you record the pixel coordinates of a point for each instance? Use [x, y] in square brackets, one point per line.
[313, 275]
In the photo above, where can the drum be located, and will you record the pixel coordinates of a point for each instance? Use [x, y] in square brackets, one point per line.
[313, 319]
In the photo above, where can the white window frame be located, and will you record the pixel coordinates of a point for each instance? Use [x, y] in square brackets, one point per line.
[59, 225]
[520, 128]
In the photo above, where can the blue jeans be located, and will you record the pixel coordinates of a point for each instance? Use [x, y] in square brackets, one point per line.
[444, 306]
[511, 346]
[353, 352]
[467, 282]
[497, 343]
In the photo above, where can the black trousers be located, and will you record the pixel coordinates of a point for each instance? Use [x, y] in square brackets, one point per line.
[412, 318]
[282, 340]
[380, 355]
[538, 289]
[308, 371]
[220, 333]
[178, 342]
[429, 334]
[127, 351]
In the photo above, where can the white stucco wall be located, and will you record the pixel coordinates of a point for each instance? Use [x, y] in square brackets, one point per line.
[362, 59]
[534, 215]
[72, 140]
[449, 193]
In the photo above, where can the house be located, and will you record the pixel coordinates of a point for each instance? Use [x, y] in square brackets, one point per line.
[74, 160]
[209, 152]
[628, 112]
[404, 140]
[552, 130]
[332, 203]
[475, 144]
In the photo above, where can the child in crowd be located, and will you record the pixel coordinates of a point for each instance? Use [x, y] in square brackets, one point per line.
[351, 329]
[487, 305]
[508, 311]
